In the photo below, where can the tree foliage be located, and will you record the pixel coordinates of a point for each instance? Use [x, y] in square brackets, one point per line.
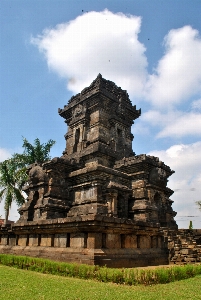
[13, 173]
[37, 152]
[12, 178]
[190, 225]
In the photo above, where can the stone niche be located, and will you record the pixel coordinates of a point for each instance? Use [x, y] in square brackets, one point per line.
[98, 203]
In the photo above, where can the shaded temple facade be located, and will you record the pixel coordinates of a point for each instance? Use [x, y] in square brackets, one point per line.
[98, 199]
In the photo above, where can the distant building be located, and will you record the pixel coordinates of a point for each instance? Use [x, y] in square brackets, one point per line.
[8, 222]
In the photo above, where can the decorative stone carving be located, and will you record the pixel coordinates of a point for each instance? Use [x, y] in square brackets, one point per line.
[158, 176]
[37, 174]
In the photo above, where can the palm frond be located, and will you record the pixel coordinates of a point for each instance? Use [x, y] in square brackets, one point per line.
[18, 197]
[2, 194]
[37, 152]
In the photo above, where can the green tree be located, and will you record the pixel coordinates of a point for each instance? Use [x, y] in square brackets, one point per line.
[37, 152]
[12, 178]
[13, 171]
[190, 225]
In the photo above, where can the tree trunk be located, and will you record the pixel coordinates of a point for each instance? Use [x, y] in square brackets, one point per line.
[6, 216]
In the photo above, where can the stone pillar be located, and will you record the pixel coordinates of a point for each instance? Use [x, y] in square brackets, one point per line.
[112, 203]
[141, 207]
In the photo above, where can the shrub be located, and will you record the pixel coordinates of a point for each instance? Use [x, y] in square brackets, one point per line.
[104, 274]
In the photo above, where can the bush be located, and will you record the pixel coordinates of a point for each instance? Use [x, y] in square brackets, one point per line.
[104, 274]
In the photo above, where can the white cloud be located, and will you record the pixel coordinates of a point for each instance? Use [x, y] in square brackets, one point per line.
[4, 154]
[178, 74]
[187, 124]
[174, 124]
[182, 157]
[97, 42]
[13, 213]
[196, 105]
[186, 182]
[107, 43]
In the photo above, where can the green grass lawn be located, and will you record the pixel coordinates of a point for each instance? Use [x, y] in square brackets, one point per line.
[16, 284]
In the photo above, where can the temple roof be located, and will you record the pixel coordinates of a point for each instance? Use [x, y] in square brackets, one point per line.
[106, 87]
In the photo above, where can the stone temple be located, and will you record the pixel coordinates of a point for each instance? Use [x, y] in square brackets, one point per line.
[98, 203]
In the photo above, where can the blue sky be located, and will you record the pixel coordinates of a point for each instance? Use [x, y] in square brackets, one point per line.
[50, 50]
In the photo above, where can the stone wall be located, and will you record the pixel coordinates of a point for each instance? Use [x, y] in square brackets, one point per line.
[109, 241]
[184, 246]
[104, 241]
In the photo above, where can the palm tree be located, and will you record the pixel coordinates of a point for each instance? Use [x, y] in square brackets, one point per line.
[11, 181]
[13, 172]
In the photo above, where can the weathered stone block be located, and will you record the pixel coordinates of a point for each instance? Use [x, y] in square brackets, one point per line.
[186, 251]
[140, 193]
[60, 240]
[154, 241]
[22, 240]
[33, 240]
[130, 241]
[4, 240]
[162, 242]
[113, 241]
[12, 241]
[145, 241]
[46, 240]
[191, 246]
[78, 240]
[94, 240]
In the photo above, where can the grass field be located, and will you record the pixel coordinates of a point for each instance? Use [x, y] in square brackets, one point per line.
[16, 284]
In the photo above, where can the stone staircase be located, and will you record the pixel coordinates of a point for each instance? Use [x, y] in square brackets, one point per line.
[184, 246]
